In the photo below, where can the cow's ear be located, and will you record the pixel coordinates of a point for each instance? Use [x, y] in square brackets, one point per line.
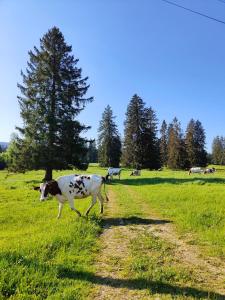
[36, 188]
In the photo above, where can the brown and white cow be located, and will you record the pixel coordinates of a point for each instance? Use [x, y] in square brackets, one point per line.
[70, 187]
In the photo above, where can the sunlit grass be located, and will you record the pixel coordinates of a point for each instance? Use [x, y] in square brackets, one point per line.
[42, 257]
[196, 204]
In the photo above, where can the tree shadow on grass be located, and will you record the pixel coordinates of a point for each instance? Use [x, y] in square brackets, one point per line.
[162, 180]
[32, 265]
[108, 222]
[155, 287]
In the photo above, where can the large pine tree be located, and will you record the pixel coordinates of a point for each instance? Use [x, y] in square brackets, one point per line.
[200, 144]
[109, 142]
[218, 150]
[134, 126]
[52, 95]
[177, 157]
[190, 142]
[195, 144]
[140, 147]
[163, 146]
[151, 153]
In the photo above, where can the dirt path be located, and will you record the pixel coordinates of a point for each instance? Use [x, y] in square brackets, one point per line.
[114, 257]
[211, 271]
[116, 239]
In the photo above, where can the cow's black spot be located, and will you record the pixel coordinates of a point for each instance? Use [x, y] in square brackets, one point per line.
[80, 182]
[71, 184]
[76, 186]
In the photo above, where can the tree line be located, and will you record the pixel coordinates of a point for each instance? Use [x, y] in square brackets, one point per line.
[142, 148]
[53, 93]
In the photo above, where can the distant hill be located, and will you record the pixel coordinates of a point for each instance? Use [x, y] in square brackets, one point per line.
[4, 145]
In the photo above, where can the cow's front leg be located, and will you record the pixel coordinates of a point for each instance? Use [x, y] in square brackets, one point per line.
[94, 198]
[71, 202]
[60, 210]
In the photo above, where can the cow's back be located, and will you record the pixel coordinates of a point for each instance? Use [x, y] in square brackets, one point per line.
[114, 171]
[79, 186]
[196, 170]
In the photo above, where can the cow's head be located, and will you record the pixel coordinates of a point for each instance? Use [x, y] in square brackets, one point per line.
[50, 187]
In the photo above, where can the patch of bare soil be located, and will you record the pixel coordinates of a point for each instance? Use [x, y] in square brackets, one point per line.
[114, 283]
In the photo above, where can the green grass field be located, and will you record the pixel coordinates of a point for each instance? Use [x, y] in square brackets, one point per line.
[45, 258]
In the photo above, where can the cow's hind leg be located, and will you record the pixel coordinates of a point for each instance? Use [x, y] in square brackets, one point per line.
[71, 202]
[101, 200]
[94, 199]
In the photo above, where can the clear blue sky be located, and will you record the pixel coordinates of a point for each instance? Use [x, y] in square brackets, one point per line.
[173, 59]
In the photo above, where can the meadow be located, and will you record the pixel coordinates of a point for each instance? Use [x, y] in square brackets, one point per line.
[45, 258]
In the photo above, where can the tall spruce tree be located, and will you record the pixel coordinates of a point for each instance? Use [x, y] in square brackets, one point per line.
[134, 126]
[140, 147]
[201, 153]
[163, 143]
[151, 152]
[52, 95]
[190, 142]
[177, 157]
[109, 142]
[195, 144]
[218, 150]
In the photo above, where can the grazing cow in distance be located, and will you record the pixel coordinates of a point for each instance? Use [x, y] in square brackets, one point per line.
[112, 172]
[136, 173]
[196, 170]
[209, 170]
[74, 186]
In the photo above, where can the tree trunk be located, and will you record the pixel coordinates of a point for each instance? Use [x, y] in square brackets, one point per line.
[48, 174]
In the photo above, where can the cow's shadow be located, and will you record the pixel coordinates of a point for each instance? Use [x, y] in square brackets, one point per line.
[134, 220]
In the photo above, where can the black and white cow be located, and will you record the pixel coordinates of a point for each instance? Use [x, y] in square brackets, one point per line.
[70, 187]
[135, 173]
[112, 172]
[209, 170]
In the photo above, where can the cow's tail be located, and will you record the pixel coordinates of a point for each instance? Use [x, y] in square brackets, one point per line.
[104, 182]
